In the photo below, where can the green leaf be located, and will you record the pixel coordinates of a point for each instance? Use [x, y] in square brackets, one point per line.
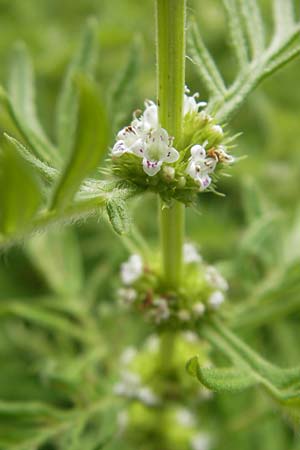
[253, 200]
[56, 255]
[247, 30]
[84, 61]
[237, 31]
[118, 215]
[223, 380]
[281, 384]
[90, 144]
[46, 172]
[121, 92]
[20, 104]
[20, 195]
[26, 425]
[205, 64]
[254, 26]
[283, 11]
[44, 317]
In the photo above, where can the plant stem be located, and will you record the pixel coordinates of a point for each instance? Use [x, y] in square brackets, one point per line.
[170, 16]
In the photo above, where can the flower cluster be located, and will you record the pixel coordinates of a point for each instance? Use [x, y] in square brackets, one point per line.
[144, 150]
[138, 383]
[203, 290]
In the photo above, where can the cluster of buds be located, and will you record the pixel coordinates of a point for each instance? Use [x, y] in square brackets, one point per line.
[202, 291]
[146, 154]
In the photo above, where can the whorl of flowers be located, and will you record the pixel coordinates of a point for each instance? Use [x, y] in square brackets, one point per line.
[145, 154]
[203, 290]
[139, 385]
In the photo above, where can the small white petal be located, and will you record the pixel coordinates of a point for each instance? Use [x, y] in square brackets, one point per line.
[138, 148]
[192, 169]
[185, 418]
[150, 115]
[127, 134]
[172, 155]
[215, 279]
[119, 149]
[216, 299]
[204, 182]
[151, 167]
[210, 164]
[201, 441]
[198, 152]
[128, 355]
[147, 396]
[190, 336]
[190, 254]
[132, 269]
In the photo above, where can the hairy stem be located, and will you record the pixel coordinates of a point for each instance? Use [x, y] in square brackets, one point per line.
[170, 16]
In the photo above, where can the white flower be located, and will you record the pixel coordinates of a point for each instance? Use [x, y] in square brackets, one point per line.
[150, 116]
[146, 139]
[198, 309]
[129, 384]
[132, 269]
[201, 441]
[185, 418]
[152, 343]
[155, 150]
[216, 299]
[215, 279]
[190, 336]
[190, 104]
[127, 295]
[128, 140]
[128, 355]
[190, 254]
[200, 166]
[161, 311]
[147, 396]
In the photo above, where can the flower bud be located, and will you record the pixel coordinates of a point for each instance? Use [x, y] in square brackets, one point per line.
[168, 173]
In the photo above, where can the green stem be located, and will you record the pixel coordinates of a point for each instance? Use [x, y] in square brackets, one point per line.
[171, 78]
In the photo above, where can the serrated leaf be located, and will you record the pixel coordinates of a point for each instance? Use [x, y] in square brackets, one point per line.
[56, 255]
[20, 104]
[90, 144]
[83, 61]
[20, 194]
[118, 215]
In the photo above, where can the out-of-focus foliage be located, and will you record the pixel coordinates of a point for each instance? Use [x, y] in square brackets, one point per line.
[61, 329]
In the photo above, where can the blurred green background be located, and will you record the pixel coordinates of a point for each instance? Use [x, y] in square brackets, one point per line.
[36, 353]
